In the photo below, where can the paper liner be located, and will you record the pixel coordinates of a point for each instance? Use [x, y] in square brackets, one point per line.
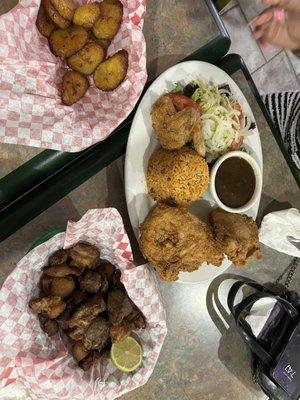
[44, 364]
[31, 110]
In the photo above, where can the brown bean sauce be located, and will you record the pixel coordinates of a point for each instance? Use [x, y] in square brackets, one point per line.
[235, 182]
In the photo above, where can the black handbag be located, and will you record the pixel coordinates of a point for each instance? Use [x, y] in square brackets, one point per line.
[276, 351]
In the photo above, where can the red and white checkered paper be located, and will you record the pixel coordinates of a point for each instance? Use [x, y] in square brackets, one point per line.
[31, 110]
[44, 364]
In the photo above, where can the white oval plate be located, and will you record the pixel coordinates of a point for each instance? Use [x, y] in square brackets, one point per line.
[142, 142]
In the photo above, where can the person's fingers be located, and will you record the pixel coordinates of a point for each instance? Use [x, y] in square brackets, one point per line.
[268, 34]
[263, 18]
[292, 5]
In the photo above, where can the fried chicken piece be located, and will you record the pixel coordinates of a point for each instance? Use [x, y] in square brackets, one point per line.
[87, 311]
[119, 332]
[237, 235]
[173, 129]
[96, 335]
[51, 306]
[174, 240]
[84, 255]
[79, 351]
[90, 281]
[118, 306]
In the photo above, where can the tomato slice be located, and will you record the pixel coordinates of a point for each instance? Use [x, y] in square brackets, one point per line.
[181, 101]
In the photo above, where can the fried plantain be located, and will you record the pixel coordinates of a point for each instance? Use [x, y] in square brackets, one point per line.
[111, 73]
[85, 255]
[59, 257]
[79, 351]
[87, 59]
[44, 23]
[104, 43]
[74, 88]
[50, 306]
[86, 15]
[65, 8]
[62, 287]
[66, 42]
[60, 21]
[111, 13]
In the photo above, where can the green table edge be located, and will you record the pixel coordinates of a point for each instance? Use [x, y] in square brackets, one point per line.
[46, 237]
[23, 179]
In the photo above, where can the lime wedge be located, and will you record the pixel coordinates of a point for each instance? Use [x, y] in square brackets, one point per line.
[126, 355]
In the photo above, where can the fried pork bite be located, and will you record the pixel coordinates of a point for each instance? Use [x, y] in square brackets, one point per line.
[174, 240]
[87, 311]
[237, 235]
[79, 351]
[62, 287]
[96, 335]
[118, 306]
[50, 326]
[136, 318]
[91, 359]
[60, 271]
[84, 255]
[174, 128]
[59, 257]
[90, 281]
[50, 307]
[119, 332]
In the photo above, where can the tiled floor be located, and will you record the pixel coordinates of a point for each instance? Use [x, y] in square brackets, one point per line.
[272, 69]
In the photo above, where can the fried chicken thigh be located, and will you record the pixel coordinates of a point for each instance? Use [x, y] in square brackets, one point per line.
[237, 235]
[173, 128]
[174, 240]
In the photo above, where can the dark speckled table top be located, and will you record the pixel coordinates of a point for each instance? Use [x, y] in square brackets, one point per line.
[203, 357]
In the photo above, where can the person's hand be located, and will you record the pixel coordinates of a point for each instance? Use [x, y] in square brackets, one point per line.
[279, 25]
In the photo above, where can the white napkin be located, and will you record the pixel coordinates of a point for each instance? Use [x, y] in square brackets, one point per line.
[259, 314]
[277, 226]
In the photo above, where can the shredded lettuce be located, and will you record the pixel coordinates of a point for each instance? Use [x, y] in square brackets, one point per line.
[221, 119]
[178, 88]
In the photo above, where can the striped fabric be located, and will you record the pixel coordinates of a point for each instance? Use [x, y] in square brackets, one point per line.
[284, 108]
